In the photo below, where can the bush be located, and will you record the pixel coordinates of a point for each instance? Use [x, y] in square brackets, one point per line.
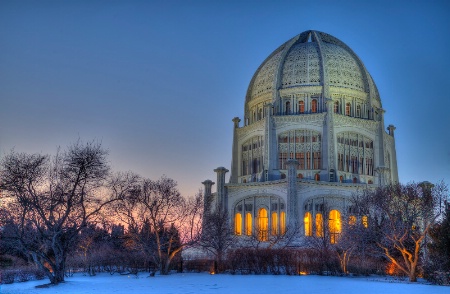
[8, 277]
[264, 261]
[439, 278]
[22, 275]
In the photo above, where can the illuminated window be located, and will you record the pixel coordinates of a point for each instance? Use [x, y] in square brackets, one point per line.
[263, 225]
[334, 224]
[282, 223]
[341, 179]
[319, 225]
[336, 107]
[348, 109]
[238, 224]
[365, 221]
[301, 107]
[274, 223]
[300, 176]
[317, 177]
[352, 220]
[314, 106]
[248, 224]
[308, 224]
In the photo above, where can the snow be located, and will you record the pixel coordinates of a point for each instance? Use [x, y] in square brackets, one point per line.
[224, 283]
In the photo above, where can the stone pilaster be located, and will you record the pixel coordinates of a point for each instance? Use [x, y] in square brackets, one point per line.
[222, 197]
[292, 200]
[329, 148]
[270, 155]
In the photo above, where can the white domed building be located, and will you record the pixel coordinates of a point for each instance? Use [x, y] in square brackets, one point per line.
[312, 135]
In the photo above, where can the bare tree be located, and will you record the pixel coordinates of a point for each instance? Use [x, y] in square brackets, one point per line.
[404, 214]
[160, 221]
[217, 236]
[48, 200]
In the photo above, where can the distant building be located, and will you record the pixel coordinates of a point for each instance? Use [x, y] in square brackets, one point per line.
[313, 134]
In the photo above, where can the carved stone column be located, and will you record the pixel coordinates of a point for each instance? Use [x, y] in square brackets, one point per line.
[222, 197]
[235, 156]
[292, 200]
[393, 167]
[207, 197]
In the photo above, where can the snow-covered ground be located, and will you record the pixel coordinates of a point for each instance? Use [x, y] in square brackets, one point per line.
[229, 284]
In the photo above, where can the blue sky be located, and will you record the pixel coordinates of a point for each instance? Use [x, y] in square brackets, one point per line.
[158, 82]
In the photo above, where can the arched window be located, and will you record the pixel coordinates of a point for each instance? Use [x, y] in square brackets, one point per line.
[308, 224]
[319, 225]
[301, 107]
[336, 107]
[288, 107]
[282, 222]
[248, 224]
[370, 182]
[341, 179]
[300, 176]
[348, 109]
[238, 224]
[355, 180]
[317, 177]
[314, 106]
[274, 221]
[263, 225]
[365, 221]
[334, 224]
[358, 111]
[352, 220]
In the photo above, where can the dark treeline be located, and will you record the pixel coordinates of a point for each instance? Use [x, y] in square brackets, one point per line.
[69, 212]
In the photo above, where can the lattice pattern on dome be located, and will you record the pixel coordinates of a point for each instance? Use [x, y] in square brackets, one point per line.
[302, 65]
[373, 86]
[343, 70]
[263, 82]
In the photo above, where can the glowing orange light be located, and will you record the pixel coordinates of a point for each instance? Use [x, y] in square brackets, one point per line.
[390, 269]
[302, 273]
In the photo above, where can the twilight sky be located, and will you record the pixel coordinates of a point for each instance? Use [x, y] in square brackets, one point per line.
[158, 82]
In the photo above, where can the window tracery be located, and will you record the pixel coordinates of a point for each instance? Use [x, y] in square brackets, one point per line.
[314, 106]
[252, 156]
[308, 224]
[260, 216]
[301, 107]
[238, 224]
[334, 225]
[302, 145]
[336, 107]
[355, 153]
[319, 225]
[263, 225]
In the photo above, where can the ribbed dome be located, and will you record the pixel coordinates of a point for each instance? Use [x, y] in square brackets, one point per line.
[312, 59]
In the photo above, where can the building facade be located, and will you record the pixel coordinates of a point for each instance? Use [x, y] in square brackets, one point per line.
[312, 135]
